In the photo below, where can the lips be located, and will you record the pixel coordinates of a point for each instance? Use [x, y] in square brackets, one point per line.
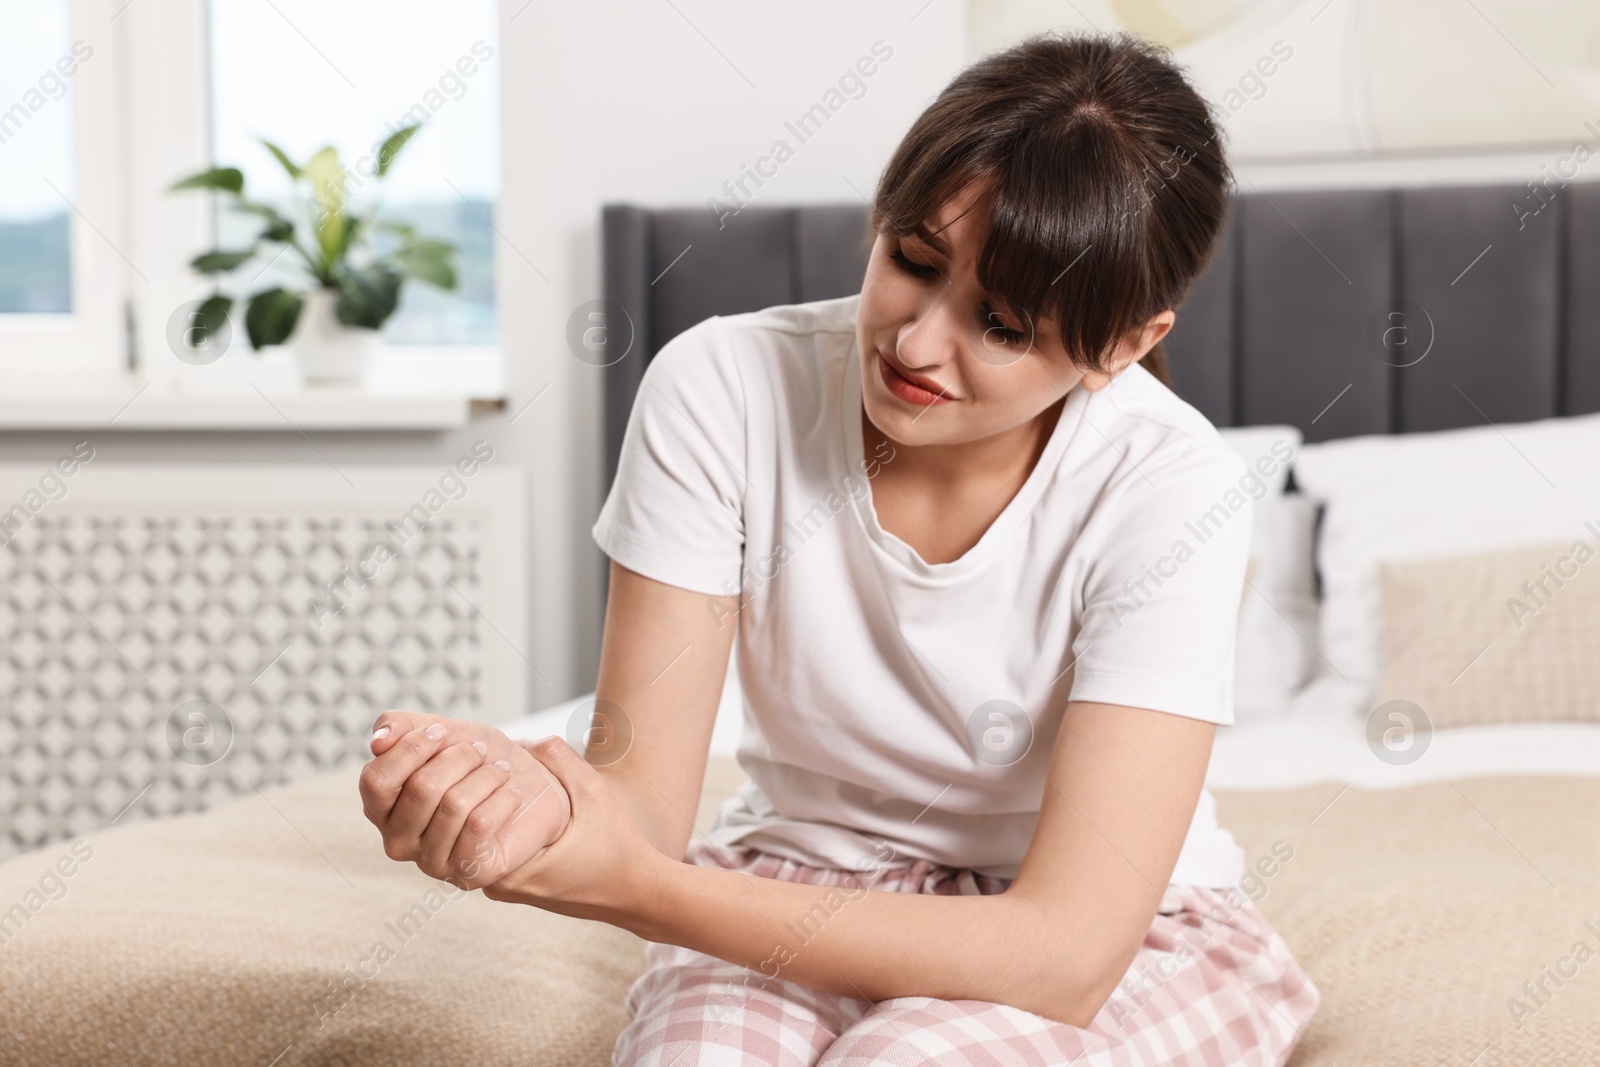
[923, 392]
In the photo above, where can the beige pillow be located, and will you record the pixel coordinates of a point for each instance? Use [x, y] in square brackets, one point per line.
[1510, 636]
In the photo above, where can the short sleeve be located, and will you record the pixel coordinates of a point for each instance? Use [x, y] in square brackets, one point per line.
[1162, 592]
[675, 512]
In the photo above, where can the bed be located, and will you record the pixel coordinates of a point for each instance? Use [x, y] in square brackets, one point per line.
[248, 934]
[1443, 893]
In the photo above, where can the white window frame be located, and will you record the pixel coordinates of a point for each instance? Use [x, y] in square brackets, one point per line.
[143, 120]
[90, 339]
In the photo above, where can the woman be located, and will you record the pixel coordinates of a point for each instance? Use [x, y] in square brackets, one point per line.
[985, 588]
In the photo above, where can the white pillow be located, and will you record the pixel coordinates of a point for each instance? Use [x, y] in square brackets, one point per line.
[1434, 495]
[1278, 614]
[1267, 450]
[1278, 625]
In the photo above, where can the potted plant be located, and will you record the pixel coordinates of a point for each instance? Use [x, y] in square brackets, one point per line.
[352, 284]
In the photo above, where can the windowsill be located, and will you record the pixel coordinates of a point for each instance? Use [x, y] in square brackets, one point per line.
[406, 389]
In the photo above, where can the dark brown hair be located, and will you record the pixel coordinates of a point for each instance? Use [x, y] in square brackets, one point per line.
[1103, 176]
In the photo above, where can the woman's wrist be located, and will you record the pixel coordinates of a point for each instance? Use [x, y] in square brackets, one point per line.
[634, 901]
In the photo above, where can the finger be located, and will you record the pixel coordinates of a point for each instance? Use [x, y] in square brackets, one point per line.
[479, 858]
[561, 793]
[419, 797]
[547, 803]
[501, 836]
[389, 727]
[458, 802]
[572, 771]
[384, 776]
[542, 816]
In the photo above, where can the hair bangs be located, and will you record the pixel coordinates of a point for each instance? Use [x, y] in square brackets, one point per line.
[1101, 176]
[1059, 230]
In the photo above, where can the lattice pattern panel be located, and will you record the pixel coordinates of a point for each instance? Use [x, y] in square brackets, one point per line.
[156, 664]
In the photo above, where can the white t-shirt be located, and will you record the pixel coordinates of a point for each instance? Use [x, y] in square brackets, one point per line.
[894, 709]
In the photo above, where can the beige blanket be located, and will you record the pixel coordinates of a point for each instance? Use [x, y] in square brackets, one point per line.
[1421, 913]
[273, 931]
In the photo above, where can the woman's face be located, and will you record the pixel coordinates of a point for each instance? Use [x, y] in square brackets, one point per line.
[942, 361]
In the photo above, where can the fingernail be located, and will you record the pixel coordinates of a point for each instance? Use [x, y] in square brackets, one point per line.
[503, 765]
[382, 731]
[434, 732]
[483, 749]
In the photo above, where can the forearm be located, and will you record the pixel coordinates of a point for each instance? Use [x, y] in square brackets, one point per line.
[663, 826]
[873, 945]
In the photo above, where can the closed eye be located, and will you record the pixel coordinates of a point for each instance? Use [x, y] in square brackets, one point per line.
[1007, 334]
[919, 270]
[991, 319]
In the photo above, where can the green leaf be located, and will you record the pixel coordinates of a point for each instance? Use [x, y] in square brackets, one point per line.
[327, 180]
[224, 179]
[330, 237]
[270, 318]
[392, 145]
[220, 262]
[433, 246]
[429, 261]
[367, 295]
[211, 316]
[353, 227]
[280, 230]
[266, 211]
[284, 160]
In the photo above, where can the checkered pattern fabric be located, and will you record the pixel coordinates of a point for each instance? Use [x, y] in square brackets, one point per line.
[1212, 985]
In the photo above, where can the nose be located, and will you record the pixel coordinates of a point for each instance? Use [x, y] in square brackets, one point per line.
[931, 338]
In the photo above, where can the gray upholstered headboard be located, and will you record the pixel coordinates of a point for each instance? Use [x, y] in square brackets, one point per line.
[1287, 325]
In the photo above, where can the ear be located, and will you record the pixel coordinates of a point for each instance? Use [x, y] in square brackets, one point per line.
[1134, 346]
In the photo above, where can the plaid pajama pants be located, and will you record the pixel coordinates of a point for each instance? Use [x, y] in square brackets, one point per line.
[1213, 984]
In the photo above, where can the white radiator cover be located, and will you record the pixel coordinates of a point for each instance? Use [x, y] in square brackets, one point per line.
[145, 595]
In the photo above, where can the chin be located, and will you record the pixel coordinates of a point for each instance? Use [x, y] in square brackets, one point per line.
[904, 426]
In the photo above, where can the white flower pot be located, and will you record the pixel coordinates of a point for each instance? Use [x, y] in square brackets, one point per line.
[328, 351]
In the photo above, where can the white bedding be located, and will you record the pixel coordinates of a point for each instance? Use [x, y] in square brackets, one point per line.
[557, 719]
[1318, 739]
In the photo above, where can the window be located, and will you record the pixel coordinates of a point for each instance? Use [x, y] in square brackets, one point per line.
[307, 73]
[60, 281]
[36, 182]
[105, 103]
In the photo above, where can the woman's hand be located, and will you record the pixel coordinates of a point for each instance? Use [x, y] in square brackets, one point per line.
[441, 802]
[462, 800]
[602, 866]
